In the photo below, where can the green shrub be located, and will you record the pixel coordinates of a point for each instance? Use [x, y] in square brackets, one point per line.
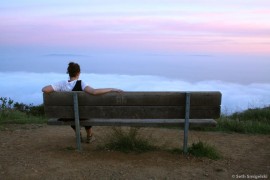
[251, 121]
[256, 114]
[202, 149]
[30, 109]
[19, 113]
[6, 106]
[17, 117]
[127, 141]
[247, 127]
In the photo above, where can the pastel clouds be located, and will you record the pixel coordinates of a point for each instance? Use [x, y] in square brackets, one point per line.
[171, 26]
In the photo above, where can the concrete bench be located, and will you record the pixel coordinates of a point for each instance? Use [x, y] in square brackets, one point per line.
[181, 109]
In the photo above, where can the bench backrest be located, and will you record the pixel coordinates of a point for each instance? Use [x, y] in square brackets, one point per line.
[134, 105]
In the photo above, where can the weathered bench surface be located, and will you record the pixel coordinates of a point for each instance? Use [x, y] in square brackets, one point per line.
[134, 108]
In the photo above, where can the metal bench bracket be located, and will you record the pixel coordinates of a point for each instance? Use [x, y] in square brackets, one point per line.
[77, 121]
[187, 111]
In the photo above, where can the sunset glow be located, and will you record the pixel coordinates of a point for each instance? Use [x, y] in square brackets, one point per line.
[170, 26]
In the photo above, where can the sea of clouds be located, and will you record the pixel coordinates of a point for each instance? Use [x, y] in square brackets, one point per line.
[26, 87]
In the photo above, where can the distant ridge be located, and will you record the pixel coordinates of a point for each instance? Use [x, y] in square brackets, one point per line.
[64, 55]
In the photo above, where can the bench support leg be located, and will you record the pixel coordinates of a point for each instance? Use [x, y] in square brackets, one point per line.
[77, 121]
[187, 111]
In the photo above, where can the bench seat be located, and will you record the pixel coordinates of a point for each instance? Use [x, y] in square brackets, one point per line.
[137, 122]
[182, 109]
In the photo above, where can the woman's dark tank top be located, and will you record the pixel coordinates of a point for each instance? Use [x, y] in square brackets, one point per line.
[78, 86]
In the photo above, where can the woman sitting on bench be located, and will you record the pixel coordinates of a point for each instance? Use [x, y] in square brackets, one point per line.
[74, 84]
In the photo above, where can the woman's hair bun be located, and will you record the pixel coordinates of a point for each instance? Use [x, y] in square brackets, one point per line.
[71, 63]
[73, 69]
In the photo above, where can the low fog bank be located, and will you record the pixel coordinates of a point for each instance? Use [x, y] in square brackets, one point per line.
[26, 87]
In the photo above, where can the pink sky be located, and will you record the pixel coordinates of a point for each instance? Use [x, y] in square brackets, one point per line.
[176, 26]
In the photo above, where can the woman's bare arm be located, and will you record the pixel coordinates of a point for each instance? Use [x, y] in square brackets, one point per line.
[87, 89]
[47, 89]
[93, 91]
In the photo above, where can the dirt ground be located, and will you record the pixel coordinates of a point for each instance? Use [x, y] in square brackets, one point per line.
[47, 152]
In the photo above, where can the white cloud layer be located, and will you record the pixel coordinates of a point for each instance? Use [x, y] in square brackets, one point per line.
[26, 87]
